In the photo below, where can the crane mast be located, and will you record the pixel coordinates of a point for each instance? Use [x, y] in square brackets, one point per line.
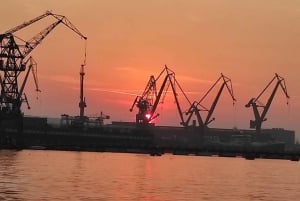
[255, 103]
[13, 62]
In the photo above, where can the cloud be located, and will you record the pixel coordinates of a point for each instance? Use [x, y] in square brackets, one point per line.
[61, 78]
[134, 92]
[125, 69]
[116, 91]
[192, 79]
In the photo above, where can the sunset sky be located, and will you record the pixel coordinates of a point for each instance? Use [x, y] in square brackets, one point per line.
[248, 41]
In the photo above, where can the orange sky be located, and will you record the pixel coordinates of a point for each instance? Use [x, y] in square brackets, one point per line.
[130, 40]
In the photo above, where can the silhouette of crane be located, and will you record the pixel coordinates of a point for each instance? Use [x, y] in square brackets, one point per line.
[147, 103]
[198, 107]
[255, 103]
[13, 60]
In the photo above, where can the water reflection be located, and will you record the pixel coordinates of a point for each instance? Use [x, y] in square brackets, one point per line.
[9, 177]
[58, 175]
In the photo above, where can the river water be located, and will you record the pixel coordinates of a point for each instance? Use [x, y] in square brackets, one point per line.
[59, 175]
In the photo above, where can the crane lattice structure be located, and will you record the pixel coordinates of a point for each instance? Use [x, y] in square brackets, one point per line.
[13, 60]
[255, 103]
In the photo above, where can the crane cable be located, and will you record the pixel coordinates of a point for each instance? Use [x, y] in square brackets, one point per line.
[84, 61]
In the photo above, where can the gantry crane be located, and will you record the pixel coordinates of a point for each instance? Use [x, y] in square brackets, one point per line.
[255, 102]
[197, 107]
[147, 103]
[13, 59]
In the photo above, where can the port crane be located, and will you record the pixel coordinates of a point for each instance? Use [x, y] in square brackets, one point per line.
[13, 60]
[33, 68]
[147, 103]
[197, 106]
[260, 116]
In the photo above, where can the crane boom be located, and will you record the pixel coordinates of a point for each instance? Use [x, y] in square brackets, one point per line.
[226, 80]
[69, 24]
[36, 40]
[149, 94]
[32, 67]
[34, 74]
[160, 92]
[176, 101]
[26, 76]
[61, 18]
[254, 102]
[25, 24]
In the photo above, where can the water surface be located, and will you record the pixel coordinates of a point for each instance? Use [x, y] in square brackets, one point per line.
[60, 175]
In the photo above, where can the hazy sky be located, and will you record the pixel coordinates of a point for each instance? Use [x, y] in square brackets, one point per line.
[248, 41]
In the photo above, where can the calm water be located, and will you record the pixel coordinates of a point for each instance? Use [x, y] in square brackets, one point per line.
[58, 175]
